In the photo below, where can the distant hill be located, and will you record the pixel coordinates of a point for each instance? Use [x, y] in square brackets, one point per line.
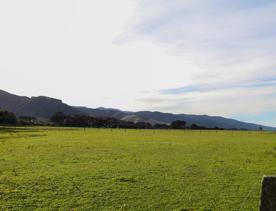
[40, 107]
[202, 120]
[101, 112]
[44, 107]
[12, 102]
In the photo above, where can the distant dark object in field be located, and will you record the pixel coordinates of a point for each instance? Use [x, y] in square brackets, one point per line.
[125, 179]
[268, 195]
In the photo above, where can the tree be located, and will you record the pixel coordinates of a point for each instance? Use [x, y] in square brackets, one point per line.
[27, 120]
[7, 118]
[178, 124]
[161, 126]
[58, 118]
[143, 125]
[260, 128]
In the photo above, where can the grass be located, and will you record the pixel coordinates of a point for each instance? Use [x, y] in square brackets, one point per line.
[103, 169]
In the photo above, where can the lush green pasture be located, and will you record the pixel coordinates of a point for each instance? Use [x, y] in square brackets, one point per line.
[103, 169]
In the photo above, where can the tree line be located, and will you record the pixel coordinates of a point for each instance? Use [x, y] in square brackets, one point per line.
[62, 120]
[9, 119]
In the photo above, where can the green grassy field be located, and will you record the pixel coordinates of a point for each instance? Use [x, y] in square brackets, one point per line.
[103, 169]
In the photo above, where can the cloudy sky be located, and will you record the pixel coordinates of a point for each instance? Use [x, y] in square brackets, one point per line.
[215, 57]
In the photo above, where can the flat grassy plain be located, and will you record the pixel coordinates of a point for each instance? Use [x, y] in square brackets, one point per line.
[104, 169]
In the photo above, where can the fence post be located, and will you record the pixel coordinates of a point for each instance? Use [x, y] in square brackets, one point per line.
[268, 194]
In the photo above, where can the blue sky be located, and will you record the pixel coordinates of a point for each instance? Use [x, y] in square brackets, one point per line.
[184, 56]
[266, 118]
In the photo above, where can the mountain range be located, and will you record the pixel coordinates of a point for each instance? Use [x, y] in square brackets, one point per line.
[44, 107]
